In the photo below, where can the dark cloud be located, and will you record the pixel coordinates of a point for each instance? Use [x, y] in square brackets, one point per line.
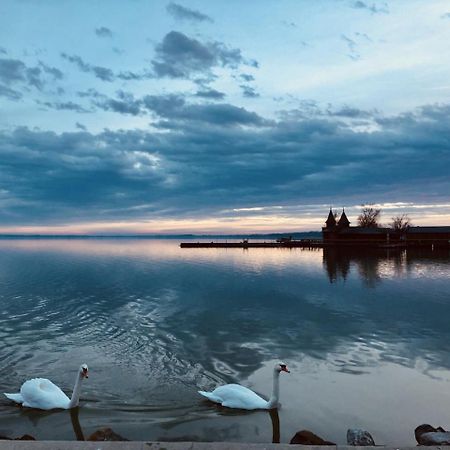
[204, 81]
[248, 91]
[125, 103]
[175, 109]
[102, 73]
[90, 93]
[80, 126]
[104, 32]
[353, 113]
[180, 12]
[33, 75]
[445, 16]
[246, 77]
[134, 76]
[210, 94]
[179, 56]
[68, 106]
[3, 51]
[12, 71]
[9, 93]
[105, 74]
[373, 8]
[16, 72]
[53, 71]
[219, 156]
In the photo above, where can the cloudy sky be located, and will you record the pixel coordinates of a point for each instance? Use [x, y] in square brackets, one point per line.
[199, 116]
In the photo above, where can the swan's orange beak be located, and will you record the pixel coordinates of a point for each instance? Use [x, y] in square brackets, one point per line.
[285, 369]
[85, 373]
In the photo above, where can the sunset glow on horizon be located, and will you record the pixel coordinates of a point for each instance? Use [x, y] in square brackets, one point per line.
[420, 215]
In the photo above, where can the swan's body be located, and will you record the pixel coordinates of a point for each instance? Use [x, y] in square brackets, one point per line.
[240, 397]
[41, 393]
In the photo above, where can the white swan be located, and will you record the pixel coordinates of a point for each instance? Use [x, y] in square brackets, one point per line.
[237, 396]
[41, 393]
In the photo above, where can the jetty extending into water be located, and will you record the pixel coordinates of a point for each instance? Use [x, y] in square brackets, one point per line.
[304, 243]
[318, 243]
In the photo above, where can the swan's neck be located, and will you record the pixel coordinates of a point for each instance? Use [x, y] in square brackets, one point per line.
[273, 401]
[76, 392]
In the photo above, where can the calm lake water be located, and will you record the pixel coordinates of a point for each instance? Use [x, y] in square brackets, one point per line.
[366, 337]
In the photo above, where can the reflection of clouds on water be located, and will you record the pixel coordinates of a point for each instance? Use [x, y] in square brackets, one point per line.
[184, 318]
[158, 323]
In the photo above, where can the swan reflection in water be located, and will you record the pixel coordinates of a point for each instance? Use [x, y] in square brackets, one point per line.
[35, 415]
[74, 417]
[275, 418]
[273, 413]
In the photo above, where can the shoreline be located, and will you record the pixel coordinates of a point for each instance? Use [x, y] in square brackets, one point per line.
[156, 445]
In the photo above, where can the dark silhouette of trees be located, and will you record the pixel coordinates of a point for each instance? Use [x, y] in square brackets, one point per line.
[400, 223]
[369, 216]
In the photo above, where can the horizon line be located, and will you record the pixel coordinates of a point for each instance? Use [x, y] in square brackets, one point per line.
[156, 235]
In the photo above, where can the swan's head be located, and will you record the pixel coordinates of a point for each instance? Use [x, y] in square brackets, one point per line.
[84, 371]
[281, 367]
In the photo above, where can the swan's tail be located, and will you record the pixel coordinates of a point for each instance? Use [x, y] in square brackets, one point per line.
[210, 396]
[15, 397]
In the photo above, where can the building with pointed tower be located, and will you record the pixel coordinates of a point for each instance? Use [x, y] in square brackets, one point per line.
[343, 221]
[336, 230]
[340, 232]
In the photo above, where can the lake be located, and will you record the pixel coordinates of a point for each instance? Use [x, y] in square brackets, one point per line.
[365, 335]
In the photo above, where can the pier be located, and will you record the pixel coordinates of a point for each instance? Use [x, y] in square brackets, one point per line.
[304, 243]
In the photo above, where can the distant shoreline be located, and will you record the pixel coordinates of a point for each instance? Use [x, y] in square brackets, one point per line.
[306, 234]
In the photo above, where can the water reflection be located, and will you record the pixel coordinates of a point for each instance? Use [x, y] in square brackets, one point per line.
[373, 264]
[74, 417]
[156, 323]
[274, 417]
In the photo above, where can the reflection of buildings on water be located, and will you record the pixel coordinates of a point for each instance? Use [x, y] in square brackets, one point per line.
[373, 264]
[338, 262]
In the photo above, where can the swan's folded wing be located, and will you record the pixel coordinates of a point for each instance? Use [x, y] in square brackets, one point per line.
[237, 396]
[43, 394]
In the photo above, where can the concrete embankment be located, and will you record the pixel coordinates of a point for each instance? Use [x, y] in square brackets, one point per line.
[77, 445]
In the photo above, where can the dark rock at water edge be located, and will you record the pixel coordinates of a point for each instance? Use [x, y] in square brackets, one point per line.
[25, 437]
[105, 434]
[306, 437]
[361, 438]
[428, 435]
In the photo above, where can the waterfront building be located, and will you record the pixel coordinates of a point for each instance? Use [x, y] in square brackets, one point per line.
[341, 232]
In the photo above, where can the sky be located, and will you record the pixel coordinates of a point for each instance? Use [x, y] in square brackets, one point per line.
[195, 116]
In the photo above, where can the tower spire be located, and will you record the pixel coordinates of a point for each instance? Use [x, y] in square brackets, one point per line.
[331, 220]
[343, 221]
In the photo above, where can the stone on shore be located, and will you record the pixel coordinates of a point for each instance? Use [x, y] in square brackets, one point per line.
[358, 437]
[25, 437]
[428, 435]
[105, 434]
[306, 437]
